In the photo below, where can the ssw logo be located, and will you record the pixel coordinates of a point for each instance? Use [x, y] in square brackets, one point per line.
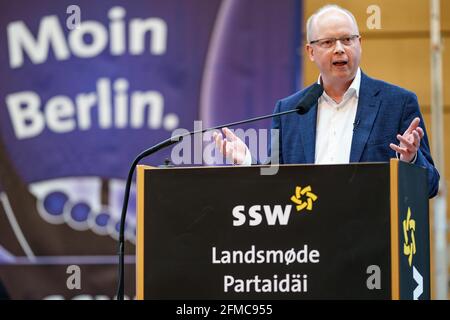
[257, 213]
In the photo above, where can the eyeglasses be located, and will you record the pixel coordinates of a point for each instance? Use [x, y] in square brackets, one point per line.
[327, 43]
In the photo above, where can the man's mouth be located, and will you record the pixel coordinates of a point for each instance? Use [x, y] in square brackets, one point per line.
[340, 63]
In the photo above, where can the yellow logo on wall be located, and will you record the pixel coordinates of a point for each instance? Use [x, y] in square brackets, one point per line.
[302, 193]
[409, 227]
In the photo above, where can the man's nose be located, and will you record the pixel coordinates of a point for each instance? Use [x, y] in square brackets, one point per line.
[338, 48]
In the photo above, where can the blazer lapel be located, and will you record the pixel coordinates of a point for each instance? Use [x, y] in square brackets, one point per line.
[307, 128]
[368, 106]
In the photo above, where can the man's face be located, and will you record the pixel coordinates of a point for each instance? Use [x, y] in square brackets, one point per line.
[338, 64]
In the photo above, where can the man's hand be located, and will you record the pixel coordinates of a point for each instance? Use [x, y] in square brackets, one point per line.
[409, 141]
[232, 147]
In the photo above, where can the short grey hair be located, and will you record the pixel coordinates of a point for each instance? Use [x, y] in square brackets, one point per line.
[309, 23]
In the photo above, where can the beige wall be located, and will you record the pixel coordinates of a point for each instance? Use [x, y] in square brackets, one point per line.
[399, 52]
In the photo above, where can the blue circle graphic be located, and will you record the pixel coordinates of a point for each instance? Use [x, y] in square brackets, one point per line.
[54, 203]
[102, 219]
[80, 212]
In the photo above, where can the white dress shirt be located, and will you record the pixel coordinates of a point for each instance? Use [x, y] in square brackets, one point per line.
[334, 131]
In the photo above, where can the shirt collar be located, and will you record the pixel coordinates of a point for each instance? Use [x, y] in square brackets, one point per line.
[354, 87]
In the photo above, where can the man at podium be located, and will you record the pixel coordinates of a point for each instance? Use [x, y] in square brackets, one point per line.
[356, 119]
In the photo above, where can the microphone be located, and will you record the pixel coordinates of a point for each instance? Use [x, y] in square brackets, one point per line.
[303, 106]
[310, 98]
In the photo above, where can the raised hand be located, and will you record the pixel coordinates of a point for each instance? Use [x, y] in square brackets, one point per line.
[231, 146]
[409, 141]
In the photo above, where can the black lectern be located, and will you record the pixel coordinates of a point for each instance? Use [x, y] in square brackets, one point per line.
[356, 231]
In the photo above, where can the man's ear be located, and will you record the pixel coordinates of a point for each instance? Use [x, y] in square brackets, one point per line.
[310, 50]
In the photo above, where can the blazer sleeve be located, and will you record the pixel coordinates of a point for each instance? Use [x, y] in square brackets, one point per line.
[275, 137]
[410, 111]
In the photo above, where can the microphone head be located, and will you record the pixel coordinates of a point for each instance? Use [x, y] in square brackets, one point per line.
[309, 99]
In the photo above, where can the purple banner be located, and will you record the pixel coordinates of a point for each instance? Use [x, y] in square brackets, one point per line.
[85, 87]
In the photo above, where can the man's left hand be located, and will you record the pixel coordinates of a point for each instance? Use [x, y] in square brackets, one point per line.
[409, 141]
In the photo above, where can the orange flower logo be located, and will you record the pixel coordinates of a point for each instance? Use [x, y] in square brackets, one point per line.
[304, 198]
[409, 227]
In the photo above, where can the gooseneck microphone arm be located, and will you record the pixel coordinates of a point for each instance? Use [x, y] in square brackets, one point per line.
[302, 107]
[142, 155]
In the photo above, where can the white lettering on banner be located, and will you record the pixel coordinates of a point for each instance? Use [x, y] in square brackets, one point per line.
[273, 215]
[21, 40]
[99, 39]
[61, 114]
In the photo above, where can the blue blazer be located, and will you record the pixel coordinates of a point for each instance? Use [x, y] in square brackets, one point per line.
[384, 110]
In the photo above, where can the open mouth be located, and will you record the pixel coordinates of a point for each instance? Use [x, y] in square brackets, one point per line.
[340, 63]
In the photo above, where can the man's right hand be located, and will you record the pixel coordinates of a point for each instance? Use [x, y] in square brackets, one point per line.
[232, 147]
